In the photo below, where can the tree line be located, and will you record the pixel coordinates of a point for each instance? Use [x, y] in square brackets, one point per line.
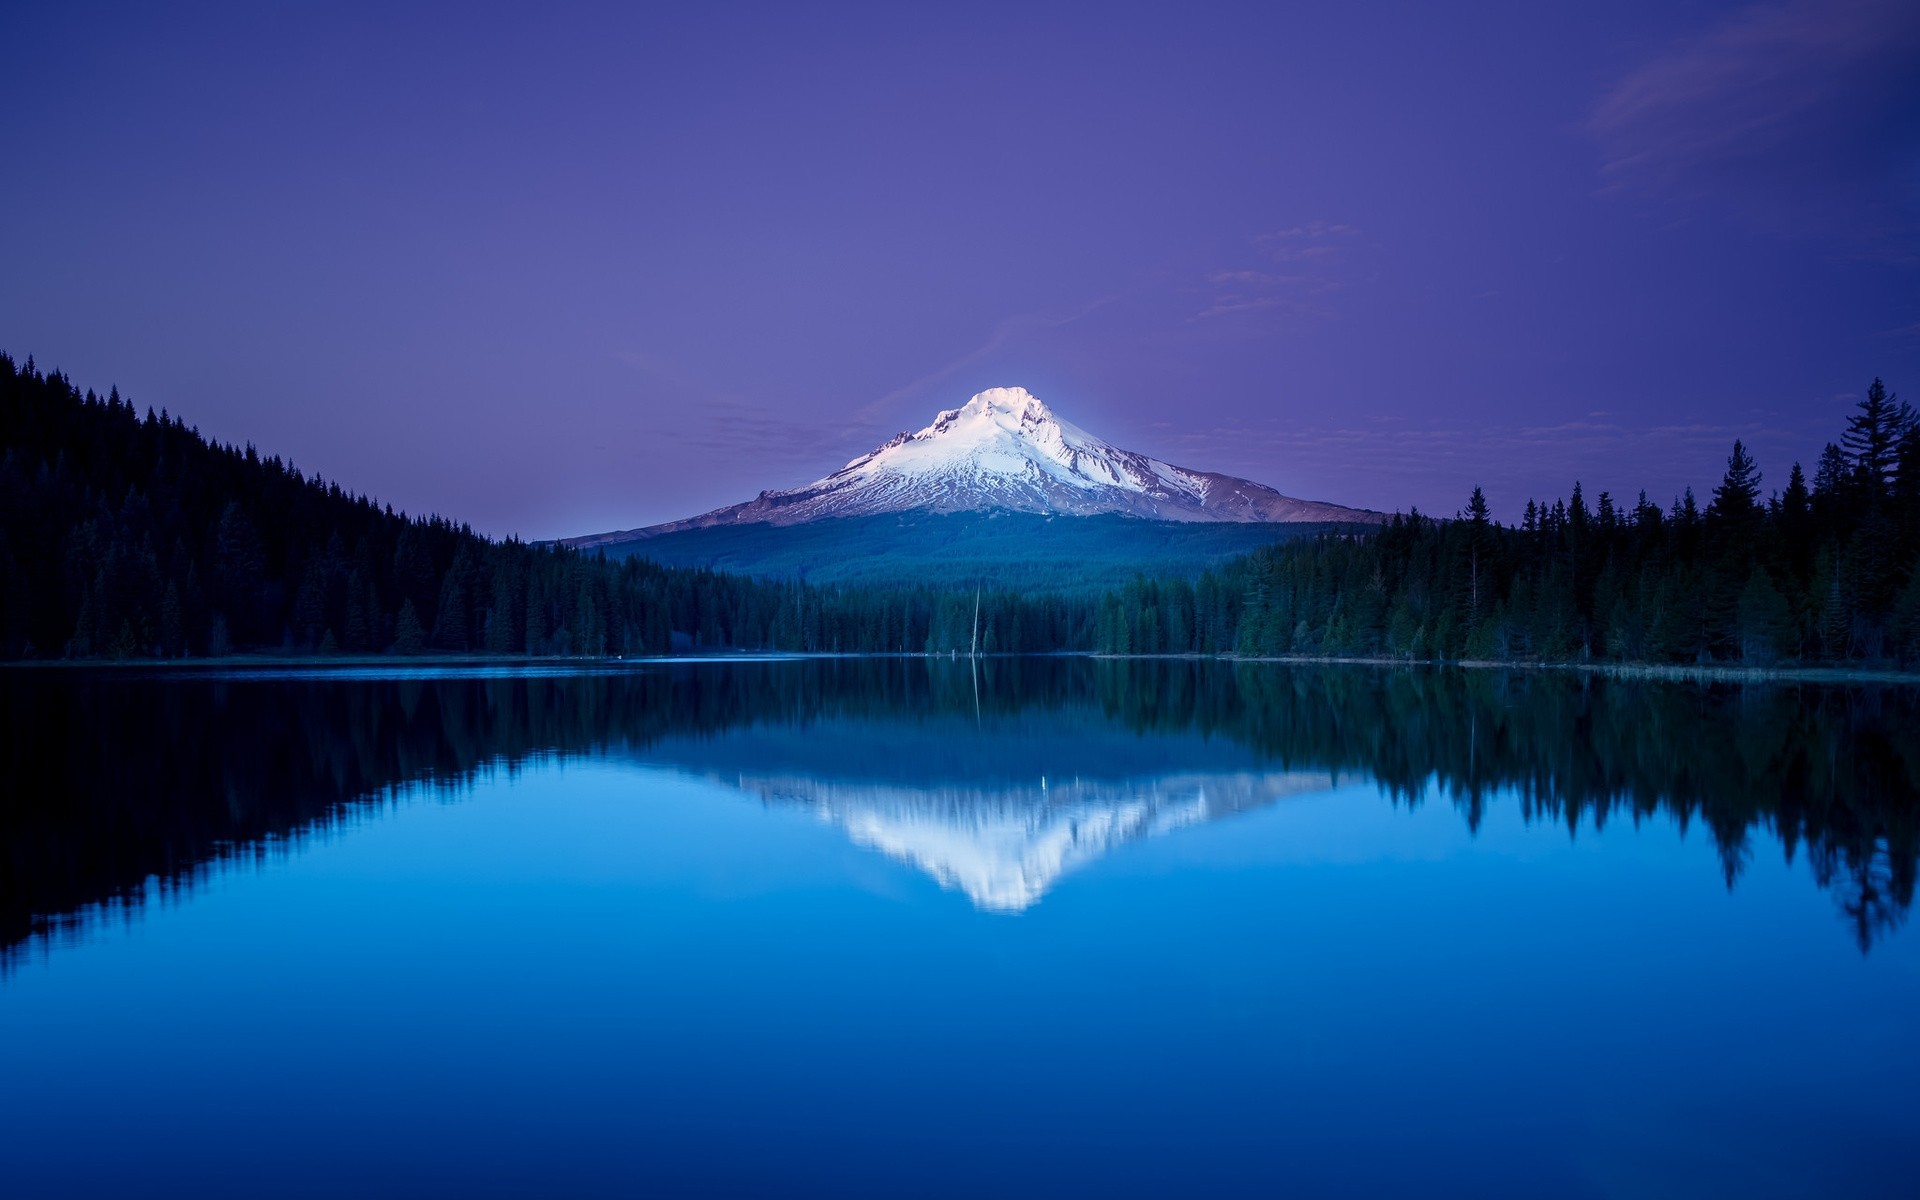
[128, 536]
[1826, 570]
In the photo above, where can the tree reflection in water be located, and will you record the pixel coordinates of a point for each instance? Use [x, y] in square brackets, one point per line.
[121, 785]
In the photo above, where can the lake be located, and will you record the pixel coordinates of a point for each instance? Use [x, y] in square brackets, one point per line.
[899, 927]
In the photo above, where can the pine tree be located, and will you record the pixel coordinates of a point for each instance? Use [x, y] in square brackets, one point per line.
[1906, 620]
[1796, 502]
[1735, 500]
[408, 636]
[1872, 438]
[1832, 614]
[359, 630]
[1479, 536]
[173, 637]
[1765, 620]
[1906, 493]
[450, 628]
[1830, 474]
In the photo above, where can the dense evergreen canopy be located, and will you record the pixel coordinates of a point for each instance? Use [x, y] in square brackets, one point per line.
[1822, 573]
[129, 536]
[125, 536]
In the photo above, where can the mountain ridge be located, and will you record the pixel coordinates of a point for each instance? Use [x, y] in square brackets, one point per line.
[1006, 450]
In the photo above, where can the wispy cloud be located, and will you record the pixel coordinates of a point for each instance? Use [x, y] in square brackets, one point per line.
[1805, 114]
[1315, 258]
[721, 422]
[745, 429]
[1242, 304]
[1303, 243]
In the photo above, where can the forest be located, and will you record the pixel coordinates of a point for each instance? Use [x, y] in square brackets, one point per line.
[130, 536]
[1031, 553]
[127, 536]
[1820, 571]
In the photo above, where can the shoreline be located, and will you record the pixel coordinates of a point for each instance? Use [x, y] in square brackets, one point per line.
[250, 662]
[1680, 672]
[1677, 672]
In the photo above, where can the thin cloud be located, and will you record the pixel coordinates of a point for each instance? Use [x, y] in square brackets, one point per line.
[746, 430]
[1805, 115]
[1315, 257]
[738, 428]
[1302, 243]
[1239, 305]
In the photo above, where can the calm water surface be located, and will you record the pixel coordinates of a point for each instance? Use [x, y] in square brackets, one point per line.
[889, 928]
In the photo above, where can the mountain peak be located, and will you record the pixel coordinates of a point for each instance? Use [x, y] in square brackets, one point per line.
[1013, 409]
[1012, 401]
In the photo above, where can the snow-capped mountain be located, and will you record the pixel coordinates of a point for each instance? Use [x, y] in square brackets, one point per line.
[1005, 450]
[1005, 846]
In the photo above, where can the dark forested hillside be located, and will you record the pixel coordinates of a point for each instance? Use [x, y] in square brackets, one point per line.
[1817, 571]
[128, 535]
[1029, 552]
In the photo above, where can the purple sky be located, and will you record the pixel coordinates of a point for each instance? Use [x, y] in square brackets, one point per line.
[583, 269]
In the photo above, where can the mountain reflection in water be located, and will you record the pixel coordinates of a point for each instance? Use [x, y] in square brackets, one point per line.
[995, 782]
[1005, 848]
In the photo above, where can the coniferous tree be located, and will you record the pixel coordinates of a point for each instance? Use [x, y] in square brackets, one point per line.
[408, 636]
[1736, 500]
[1872, 439]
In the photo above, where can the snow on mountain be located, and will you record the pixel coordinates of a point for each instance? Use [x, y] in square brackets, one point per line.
[1004, 846]
[1006, 450]
[997, 806]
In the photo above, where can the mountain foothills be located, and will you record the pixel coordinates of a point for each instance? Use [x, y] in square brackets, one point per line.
[1033, 553]
[125, 535]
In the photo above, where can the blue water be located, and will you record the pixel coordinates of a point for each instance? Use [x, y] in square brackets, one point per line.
[691, 966]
